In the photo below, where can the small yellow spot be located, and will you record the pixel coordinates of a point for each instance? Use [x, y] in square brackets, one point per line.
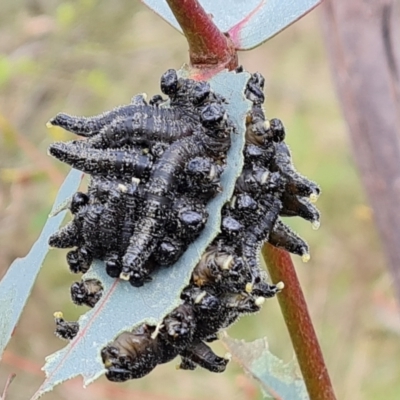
[280, 285]
[267, 124]
[49, 124]
[200, 297]
[249, 287]
[315, 225]
[157, 330]
[124, 276]
[227, 263]
[228, 356]
[314, 197]
[177, 366]
[122, 188]
[58, 314]
[108, 363]
[264, 178]
[136, 180]
[259, 301]
[213, 172]
[305, 257]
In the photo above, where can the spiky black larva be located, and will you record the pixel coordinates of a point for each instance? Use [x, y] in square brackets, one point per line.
[296, 206]
[90, 126]
[118, 163]
[133, 355]
[64, 329]
[282, 236]
[202, 355]
[296, 183]
[156, 124]
[140, 121]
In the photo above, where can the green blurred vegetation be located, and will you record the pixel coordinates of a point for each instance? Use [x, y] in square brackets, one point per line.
[87, 56]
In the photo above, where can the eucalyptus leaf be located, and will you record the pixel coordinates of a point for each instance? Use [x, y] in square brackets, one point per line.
[123, 307]
[17, 283]
[249, 23]
[277, 379]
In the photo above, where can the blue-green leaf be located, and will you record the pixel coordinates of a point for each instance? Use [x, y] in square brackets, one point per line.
[249, 23]
[277, 379]
[17, 284]
[123, 307]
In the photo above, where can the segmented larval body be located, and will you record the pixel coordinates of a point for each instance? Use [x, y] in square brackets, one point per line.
[140, 122]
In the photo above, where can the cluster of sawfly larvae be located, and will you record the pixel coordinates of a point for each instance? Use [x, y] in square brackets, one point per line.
[228, 281]
[153, 170]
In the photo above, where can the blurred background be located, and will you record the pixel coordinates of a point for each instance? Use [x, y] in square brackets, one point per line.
[84, 57]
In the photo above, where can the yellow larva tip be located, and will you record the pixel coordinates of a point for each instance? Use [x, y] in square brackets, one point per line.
[280, 285]
[136, 180]
[108, 363]
[122, 188]
[200, 297]
[259, 301]
[227, 263]
[314, 197]
[305, 257]
[58, 314]
[267, 125]
[228, 356]
[124, 276]
[49, 124]
[315, 225]
[249, 287]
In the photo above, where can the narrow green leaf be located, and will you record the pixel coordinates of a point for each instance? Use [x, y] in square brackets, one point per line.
[278, 380]
[123, 307]
[17, 284]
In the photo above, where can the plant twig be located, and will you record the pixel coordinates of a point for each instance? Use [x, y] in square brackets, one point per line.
[298, 322]
[209, 48]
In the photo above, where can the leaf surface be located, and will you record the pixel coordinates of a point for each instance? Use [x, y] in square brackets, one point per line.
[278, 380]
[249, 23]
[123, 307]
[18, 281]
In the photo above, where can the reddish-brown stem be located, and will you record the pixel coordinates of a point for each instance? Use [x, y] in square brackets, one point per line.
[209, 48]
[298, 322]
